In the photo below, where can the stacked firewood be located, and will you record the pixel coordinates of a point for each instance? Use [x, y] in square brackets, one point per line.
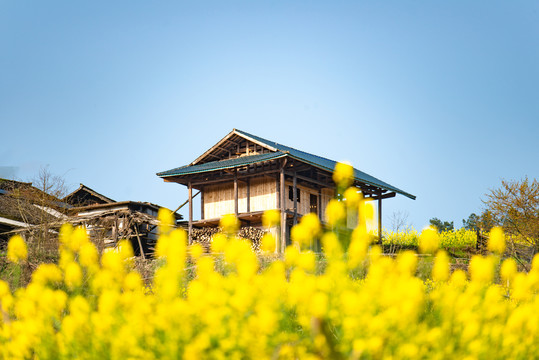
[204, 236]
[253, 234]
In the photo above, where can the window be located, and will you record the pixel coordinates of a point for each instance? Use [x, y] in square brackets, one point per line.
[291, 193]
[313, 206]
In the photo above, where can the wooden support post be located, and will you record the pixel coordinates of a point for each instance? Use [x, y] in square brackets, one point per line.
[190, 228]
[380, 219]
[248, 195]
[201, 204]
[295, 197]
[236, 193]
[282, 205]
[278, 192]
[320, 204]
[139, 242]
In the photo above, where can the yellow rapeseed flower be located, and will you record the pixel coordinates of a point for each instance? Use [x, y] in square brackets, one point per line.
[335, 212]
[343, 175]
[47, 273]
[73, 275]
[229, 223]
[291, 255]
[407, 262]
[440, 269]
[496, 240]
[271, 218]
[267, 243]
[353, 196]
[319, 304]
[508, 269]
[16, 249]
[218, 243]
[481, 269]
[196, 250]
[166, 220]
[88, 256]
[429, 241]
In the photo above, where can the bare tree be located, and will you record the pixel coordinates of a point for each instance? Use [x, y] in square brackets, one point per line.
[38, 204]
[515, 206]
[399, 220]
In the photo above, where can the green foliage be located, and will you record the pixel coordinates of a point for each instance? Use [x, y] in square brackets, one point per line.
[441, 225]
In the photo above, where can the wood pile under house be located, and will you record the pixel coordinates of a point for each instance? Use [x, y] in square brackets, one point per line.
[245, 175]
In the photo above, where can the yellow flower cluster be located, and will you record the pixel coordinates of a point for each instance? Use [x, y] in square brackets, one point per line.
[16, 249]
[410, 238]
[225, 305]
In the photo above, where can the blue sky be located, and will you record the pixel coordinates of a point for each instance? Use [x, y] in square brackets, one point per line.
[440, 99]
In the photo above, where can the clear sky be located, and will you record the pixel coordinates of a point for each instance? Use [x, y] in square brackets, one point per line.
[440, 99]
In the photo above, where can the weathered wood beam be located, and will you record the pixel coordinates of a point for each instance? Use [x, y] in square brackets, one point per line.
[241, 177]
[282, 204]
[320, 204]
[201, 203]
[190, 228]
[295, 196]
[307, 179]
[384, 196]
[183, 204]
[139, 242]
[248, 195]
[380, 218]
[236, 194]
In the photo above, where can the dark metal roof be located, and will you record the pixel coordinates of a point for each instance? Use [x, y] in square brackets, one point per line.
[326, 164]
[282, 151]
[222, 164]
[85, 190]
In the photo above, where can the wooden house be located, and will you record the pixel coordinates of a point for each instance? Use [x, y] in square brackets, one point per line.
[245, 175]
[84, 196]
[108, 222]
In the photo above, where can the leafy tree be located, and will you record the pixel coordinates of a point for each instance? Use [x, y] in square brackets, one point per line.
[472, 223]
[515, 206]
[483, 222]
[441, 225]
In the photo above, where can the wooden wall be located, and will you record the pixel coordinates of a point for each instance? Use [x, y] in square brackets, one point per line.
[219, 199]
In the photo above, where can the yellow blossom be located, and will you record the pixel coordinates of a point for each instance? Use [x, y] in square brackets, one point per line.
[229, 223]
[508, 269]
[88, 255]
[196, 250]
[353, 197]
[440, 269]
[73, 275]
[291, 255]
[496, 241]
[429, 241]
[481, 269]
[271, 218]
[335, 212]
[218, 243]
[166, 220]
[343, 174]
[319, 304]
[267, 243]
[16, 249]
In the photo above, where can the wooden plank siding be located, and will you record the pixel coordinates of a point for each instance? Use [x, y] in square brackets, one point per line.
[219, 199]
